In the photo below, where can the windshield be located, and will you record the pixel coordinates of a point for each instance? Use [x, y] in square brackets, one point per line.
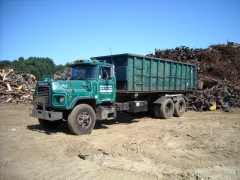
[83, 72]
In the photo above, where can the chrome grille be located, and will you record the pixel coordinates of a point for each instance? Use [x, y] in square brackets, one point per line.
[44, 92]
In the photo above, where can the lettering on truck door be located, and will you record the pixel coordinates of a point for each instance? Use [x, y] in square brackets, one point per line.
[105, 84]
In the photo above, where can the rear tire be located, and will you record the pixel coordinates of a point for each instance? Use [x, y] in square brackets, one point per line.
[156, 111]
[82, 119]
[49, 124]
[165, 110]
[179, 107]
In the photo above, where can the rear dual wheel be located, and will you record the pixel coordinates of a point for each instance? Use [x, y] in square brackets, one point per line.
[179, 107]
[165, 110]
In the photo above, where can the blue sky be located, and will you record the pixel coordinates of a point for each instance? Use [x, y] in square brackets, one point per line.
[66, 30]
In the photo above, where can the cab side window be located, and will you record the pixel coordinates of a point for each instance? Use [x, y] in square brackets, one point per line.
[104, 72]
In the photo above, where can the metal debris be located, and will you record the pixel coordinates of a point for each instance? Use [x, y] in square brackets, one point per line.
[16, 86]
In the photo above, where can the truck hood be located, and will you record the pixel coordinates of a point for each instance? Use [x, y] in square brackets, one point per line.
[73, 85]
[64, 85]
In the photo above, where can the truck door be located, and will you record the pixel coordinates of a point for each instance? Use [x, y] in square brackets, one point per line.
[105, 85]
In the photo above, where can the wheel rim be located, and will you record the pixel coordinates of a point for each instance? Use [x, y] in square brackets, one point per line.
[84, 120]
[169, 109]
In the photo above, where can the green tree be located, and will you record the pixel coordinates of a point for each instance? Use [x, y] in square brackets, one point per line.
[38, 66]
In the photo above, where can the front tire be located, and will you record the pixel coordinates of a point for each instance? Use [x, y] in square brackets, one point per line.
[82, 119]
[49, 124]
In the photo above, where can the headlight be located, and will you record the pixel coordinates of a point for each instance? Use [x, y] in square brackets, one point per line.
[61, 100]
[58, 100]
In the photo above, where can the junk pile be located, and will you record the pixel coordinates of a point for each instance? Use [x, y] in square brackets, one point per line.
[62, 75]
[221, 96]
[16, 86]
[218, 84]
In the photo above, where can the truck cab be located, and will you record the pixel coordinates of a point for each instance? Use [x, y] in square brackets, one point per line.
[96, 78]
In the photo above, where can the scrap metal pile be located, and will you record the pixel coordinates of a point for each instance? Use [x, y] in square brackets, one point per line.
[16, 86]
[218, 84]
[221, 96]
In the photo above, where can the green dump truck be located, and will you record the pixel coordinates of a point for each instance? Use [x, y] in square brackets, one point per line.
[101, 87]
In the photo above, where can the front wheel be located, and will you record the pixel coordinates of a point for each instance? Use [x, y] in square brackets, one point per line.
[82, 119]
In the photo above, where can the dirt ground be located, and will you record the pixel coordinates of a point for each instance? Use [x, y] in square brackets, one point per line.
[198, 145]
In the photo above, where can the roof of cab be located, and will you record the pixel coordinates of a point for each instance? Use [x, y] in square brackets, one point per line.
[87, 62]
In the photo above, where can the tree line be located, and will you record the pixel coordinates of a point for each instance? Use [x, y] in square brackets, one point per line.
[37, 66]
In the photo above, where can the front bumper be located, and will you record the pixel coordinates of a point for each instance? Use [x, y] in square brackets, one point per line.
[43, 114]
